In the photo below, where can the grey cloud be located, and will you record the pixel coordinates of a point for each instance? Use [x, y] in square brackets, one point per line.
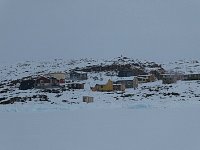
[156, 29]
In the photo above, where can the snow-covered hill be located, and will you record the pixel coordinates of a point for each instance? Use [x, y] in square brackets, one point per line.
[153, 116]
[147, 95]
[184, 66]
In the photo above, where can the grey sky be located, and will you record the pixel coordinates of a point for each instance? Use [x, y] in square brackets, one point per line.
[148, 29]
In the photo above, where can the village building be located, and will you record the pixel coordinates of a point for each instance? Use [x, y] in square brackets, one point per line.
[76, 76]
[75, 85]
[158, 73]
[88, 99]
[108, 87]
[169, 78]
[125, 73]
[46, 82]
[179, 75]
[119, 87]
[27, 84]
[146, 78]
[129, 83]
[188, 77]
[59, 76]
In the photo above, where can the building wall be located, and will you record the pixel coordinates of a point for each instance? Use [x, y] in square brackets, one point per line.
[27, 84]
[119, 87]
[169, 80]
[78, 76]
[104, 88]
[127, 83]
[192, 77]
[146, 78]
[142, 80]
[88, 99]
[135, 83]
[76, 86]
[58, 76]
[43, 82]
[125, 74]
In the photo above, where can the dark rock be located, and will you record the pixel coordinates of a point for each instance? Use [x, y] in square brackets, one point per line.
[65, 101]
[3, 98]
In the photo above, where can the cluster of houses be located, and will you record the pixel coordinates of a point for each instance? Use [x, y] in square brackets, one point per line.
[54, 80]
[174, 77]
[75, 80]
[72, 80]
[121, 85]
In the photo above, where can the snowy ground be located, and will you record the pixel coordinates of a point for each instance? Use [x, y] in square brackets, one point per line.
[147, 96]
[148, 118]
[102, 129]
[150, 95]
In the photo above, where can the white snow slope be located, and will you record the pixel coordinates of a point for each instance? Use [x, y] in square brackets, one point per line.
[103, 129]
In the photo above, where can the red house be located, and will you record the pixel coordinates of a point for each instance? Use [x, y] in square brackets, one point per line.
[44, 82]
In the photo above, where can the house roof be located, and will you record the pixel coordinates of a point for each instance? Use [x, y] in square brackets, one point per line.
[193, 74]
[115, 78]
[75, 83]
[45, 78]
[146, 75]
[52, 73]
[142, 78]
[78, 72]
[117, 84]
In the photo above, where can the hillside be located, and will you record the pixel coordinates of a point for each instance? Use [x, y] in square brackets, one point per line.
[152, 116]
[147, 95]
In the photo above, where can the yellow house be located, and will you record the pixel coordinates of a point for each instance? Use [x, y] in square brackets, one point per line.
[104, 87]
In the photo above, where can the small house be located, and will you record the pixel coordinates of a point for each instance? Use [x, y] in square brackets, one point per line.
[146, 78]
[108, 87]
[125, 73]
[129, 83]
[75, 85]
[169, 78]
[76, 76]
[46, 82]
[191, 77]
[27, 84]
[88, 99]
[59, 76]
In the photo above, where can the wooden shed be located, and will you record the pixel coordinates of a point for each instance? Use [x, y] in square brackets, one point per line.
[88, 99]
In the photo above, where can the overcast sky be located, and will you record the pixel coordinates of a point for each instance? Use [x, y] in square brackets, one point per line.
[148, 29]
